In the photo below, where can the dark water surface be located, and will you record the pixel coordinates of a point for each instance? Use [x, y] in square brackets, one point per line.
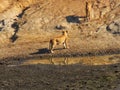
[92, 60]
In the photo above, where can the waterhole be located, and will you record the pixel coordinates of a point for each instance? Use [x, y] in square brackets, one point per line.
[93, 60]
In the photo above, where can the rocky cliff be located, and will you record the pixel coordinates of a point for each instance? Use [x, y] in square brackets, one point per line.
[22, 18]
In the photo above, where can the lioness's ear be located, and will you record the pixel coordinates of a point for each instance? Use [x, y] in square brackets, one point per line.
[66, 31]
[63, 31]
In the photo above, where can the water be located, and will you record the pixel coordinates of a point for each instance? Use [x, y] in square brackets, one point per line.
[78, 72]
[93, 60]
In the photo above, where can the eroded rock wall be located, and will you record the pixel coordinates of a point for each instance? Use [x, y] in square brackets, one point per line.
[19, 16]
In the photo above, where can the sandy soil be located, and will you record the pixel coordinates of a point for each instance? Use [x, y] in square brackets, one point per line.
[66, 77]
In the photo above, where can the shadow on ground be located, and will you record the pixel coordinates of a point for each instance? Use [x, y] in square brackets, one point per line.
[44, 51]
[41, 51]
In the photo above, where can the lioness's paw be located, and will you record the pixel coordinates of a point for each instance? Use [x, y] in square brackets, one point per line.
[51, 52]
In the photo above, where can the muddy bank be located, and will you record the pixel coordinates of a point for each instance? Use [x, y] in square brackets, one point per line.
[66, 77]
[44, 53]
[58, 77]
[102, 73]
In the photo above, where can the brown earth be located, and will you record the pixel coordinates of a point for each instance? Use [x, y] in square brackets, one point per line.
[25, 30]
[66, 77]
[77, 77]
[61, 77]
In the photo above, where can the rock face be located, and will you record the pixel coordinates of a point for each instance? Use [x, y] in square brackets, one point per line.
[97, 9]
[114, 27]
[21, 16]
[12, 8]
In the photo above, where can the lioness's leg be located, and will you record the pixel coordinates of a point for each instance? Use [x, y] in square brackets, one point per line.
[53, 43]
[51, 49]
[65, 44]
[51, 46]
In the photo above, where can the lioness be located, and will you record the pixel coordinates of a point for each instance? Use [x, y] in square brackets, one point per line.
[59, 40]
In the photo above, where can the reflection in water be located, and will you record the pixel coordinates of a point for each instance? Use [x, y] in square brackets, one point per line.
[94, 60]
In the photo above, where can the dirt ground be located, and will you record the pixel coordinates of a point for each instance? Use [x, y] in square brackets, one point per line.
[59, 77]
[33, 27]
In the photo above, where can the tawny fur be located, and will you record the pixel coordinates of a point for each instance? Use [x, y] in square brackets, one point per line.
[59, 40]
